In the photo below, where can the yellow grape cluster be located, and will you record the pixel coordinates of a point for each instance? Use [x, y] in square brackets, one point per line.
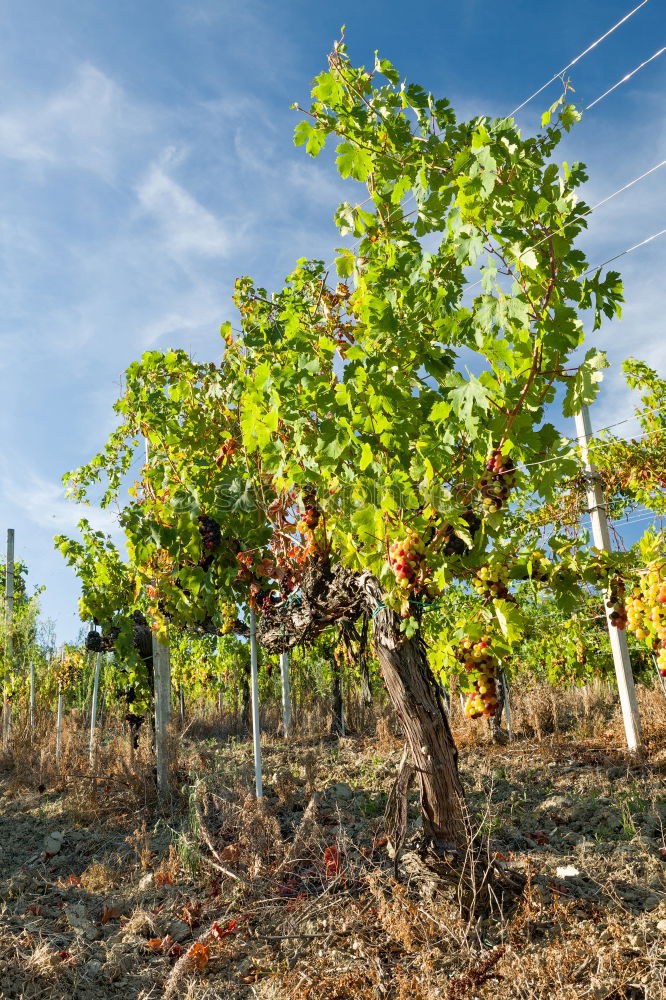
[646, 613]
[480, 666]
[228, 612]
[491, 581]
[67, 670]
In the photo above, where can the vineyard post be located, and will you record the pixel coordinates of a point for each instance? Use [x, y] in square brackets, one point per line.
[162, 680]
[93, 708]
[286, 694]
[32, 695]
[181, 705]
[256, 735]
[9, 638]
[618, 639]
[58, 746]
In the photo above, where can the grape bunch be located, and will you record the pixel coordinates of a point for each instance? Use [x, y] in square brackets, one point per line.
[67, 670]
[646, 613]
[309, 520]
[209, 530]
[615, 602]
[94, 642]
[497, 481]
[405, 558]
[491, 581]
[480, 666]
[228, 613]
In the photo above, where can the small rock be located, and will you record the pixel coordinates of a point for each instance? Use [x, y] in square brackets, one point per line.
[556, 802]
[567, 871]
[341, 790]
[661, 926]
[79, 922]
[53, 842]
[179, 930]
[146, 882]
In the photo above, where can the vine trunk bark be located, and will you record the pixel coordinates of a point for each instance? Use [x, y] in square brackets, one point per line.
[418, 704]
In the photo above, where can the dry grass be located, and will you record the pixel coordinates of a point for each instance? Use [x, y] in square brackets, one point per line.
[304, 874]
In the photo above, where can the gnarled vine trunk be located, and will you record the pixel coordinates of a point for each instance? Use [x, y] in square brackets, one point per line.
[418, 704]
[334, 595]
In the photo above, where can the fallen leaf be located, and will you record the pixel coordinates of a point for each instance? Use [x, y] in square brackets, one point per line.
[74, 880]
[539, 837]
[109, 913]
[332, 862]
[221, 932]
[230, 853]
[163, 878]
[199, 953]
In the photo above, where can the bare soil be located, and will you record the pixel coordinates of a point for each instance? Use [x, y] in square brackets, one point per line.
[105, 895]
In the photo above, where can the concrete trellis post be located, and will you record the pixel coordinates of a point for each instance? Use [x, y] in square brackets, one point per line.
[58, 746]
[256, 735]
[162, 679]
[9, 637]
[618, 639]
[93, 709]
[286, 695]
[32, 697]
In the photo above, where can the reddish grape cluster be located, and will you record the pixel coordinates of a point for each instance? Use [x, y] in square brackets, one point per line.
[497, 481]
[406, 557]
[616, 602]
[480, 666]
[209, 530]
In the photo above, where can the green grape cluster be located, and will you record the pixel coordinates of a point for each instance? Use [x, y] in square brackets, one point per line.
[492, 581]
[228, 612]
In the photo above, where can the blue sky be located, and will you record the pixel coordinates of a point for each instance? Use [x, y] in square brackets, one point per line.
[146, 160]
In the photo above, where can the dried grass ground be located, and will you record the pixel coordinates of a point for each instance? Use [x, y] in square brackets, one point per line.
[296, 899]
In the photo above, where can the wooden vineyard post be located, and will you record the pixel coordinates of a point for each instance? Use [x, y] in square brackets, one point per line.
[256, 735]
[286, 694]
[162, 676]
[9, 638]
[93, 708]
[618, 639]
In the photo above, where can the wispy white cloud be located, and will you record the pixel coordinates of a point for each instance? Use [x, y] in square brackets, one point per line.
[86, 125]
[185, 224]
[42, 502]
